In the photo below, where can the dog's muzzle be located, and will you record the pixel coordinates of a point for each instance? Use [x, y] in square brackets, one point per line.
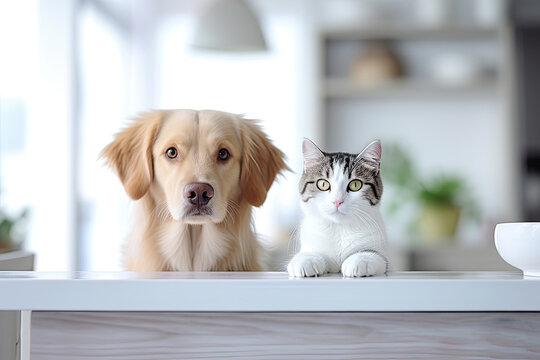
[198, 195]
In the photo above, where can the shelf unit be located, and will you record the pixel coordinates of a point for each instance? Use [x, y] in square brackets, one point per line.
[341, 85]
[488, 95]
[336, 84]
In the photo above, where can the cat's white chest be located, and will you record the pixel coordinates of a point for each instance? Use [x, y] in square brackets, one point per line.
[318, 235]
[338, 241]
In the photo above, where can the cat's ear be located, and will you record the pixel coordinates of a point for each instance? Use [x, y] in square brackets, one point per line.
[372, 153]
[312, 154]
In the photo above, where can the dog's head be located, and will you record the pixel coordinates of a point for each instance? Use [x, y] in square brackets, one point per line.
[198, 165]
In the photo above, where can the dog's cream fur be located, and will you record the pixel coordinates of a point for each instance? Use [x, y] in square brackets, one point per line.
[166, 234]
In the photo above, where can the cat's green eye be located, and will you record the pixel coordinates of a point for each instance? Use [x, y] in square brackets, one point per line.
[355, 185]
[323, 185]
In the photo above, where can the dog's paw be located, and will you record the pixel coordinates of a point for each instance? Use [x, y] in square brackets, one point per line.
[306, 264]
[363, 264]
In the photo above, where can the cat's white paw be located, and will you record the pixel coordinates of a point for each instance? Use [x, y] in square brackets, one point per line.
[363, 264]
[306, 264]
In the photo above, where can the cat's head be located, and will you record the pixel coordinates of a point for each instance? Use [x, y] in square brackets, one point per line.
[340, 186]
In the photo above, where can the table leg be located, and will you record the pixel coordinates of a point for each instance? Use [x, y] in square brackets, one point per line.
[24, 335]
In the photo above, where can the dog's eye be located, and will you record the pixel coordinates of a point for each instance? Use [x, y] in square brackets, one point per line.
[171, 153]
[223, 154]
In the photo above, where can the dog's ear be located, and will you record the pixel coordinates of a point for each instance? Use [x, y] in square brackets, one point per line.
[261, 162]
[130, 153]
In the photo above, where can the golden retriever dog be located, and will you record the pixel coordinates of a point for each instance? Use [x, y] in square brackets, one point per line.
[195, 176]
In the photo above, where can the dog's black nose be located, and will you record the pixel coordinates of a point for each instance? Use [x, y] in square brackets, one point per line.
[198, 194]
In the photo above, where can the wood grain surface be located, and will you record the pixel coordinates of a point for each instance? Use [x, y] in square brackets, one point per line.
[167, 336]
[9, 334]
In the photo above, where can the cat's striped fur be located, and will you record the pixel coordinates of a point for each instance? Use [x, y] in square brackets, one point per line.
[363, 169]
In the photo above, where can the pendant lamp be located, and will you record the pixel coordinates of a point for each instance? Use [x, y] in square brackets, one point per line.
[229, 25]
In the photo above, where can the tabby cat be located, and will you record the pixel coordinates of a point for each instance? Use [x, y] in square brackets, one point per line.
[342, 229]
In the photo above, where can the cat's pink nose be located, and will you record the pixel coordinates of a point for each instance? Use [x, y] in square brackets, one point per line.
[338, 203]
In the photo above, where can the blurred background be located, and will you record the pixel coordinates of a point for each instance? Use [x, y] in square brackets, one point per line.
[450, 87]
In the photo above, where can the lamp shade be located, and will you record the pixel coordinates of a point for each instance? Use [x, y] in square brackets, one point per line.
[229, 25]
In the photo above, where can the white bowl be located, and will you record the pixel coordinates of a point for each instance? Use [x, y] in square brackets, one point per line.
[519, 245]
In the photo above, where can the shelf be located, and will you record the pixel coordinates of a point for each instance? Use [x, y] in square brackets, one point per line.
[407, 32]
[16, 261]
[454, 257]
[347, 88]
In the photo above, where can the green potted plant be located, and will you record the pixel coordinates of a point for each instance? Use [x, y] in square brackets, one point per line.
[439, 200]
[441, 203]
[9, 238]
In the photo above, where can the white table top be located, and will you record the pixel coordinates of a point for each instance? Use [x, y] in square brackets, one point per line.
[267, 291]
